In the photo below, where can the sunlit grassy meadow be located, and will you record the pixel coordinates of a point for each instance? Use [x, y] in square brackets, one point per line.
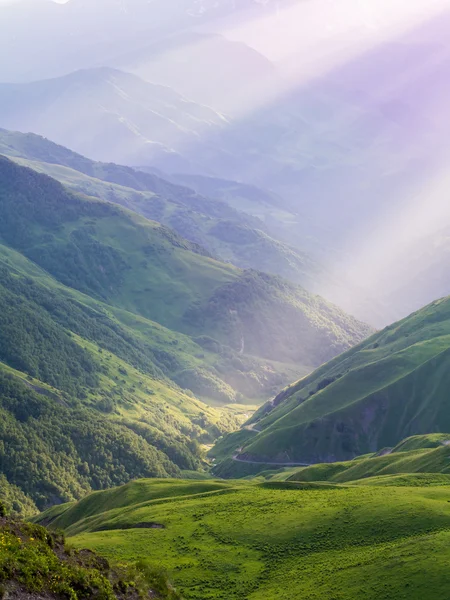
[273, 540]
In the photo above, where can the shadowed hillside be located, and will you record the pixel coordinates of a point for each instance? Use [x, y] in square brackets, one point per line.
[418, 461]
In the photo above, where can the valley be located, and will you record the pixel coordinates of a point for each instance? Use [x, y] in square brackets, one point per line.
[224, 300]
[114, 323]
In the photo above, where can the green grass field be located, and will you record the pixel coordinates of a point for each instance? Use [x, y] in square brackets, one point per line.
[274, 540]
[415, 461]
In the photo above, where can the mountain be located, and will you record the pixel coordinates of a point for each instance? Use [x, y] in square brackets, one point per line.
[270, 539]
[390, 387]
[92, 392]
[227, 74]
[111, 115]
[337, 146]
[243, 238]
[248, 198]
[280, 221]
[114, 116]
[126, 26]
[138, 264]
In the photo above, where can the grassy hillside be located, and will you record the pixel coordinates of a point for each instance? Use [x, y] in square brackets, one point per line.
[418, 460]
[92, 392]
[85, 402]
[237, 225]
[35, 564]
[273, 540]
[391, 386]
[142, 267]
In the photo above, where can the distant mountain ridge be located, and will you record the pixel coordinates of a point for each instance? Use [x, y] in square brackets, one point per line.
[227, 74]
[92, 110]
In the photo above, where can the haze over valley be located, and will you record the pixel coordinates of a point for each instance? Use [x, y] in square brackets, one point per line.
[224, 299]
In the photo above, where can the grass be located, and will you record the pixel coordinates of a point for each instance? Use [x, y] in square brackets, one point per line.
[407, 480]
[410, 463]
[36, 562]
[249, 540]
[391, 386]
[230, 235]
[179, 352]
[155, 336]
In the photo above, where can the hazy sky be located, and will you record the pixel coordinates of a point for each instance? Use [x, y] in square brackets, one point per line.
[309, 39]
[11, 1]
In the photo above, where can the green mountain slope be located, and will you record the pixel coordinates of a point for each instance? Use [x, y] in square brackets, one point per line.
[249, 239]
[85, 400]
[142, 267]
[272, 541]
[92, 392]
[417, 461]
[88, 395]
[391, 386]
